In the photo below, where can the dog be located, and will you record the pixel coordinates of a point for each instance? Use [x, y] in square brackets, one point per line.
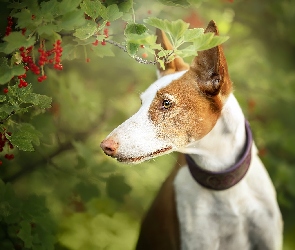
[219, 195]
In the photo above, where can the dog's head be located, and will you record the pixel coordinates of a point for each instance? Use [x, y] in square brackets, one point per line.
[181, 107]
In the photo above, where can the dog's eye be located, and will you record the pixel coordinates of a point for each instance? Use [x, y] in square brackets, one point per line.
[166, 104]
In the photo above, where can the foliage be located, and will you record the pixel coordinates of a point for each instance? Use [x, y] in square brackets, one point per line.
[64, 91]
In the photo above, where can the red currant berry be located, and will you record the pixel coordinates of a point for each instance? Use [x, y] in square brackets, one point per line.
[103, 42]
[95, 43]
[144, 55]
[108, 23]
[106, 32]
[5, 91]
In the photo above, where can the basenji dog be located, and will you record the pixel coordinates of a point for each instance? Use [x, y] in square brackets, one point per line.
[219, 195]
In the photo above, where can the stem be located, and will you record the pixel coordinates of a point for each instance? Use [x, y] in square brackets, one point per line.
[135, 57]
[133, 13]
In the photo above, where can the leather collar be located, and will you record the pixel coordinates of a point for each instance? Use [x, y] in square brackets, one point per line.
[225, 179]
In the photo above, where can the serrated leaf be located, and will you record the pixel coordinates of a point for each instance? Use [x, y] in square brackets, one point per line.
[188, 51]
[38, 100]
[66, 6]
[102, 51]
[132, 48]
[2, 98]
[69, 51]
[47, 29]
[24, 136]
[208, 41]
[25, 19]
[48, 6]
[142, 39]
[72, 20]
[125, 6]
[25, 234]
[92, 8]
[216, 40]
[175, 2]
[175, 29]
[192, 34]
[15, 40]
[6, 72]
[111, 13]
[86, 31]
[135, 28]
[157, 23]
[6, 110]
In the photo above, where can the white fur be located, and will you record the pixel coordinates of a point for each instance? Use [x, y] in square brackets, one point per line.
[244, 217]
[214, 153]
[208, 218]
[137, 134]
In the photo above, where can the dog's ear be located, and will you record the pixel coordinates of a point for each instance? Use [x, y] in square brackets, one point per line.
[210, 68]
[177, 64]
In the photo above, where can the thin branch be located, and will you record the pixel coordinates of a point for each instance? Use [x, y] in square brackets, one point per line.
[5, 119]
[135, 57]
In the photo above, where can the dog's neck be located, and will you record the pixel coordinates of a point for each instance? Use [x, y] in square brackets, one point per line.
[223, 145]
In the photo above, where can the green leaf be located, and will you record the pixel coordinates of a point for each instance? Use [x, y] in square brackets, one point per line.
[142, 39]
[2, 98]
[25, 19]
[175, 29]
[125, 6]
[72, 20]
[86, 31]
[25, 234]
[41, 101]
[66, 6]
[24, 136]
[92, 8]
[47, 29]
[175, 2]
[102, 51]
[132, 48]
[188, 51]
[192, 34]
[217, 40]
[6, 72]
[208, 41]
[111, 13]
[16, 40]
[135, 28]
[117, 187]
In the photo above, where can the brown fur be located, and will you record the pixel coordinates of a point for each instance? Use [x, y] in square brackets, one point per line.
[196, 103]
[163, 233]
[197, 95]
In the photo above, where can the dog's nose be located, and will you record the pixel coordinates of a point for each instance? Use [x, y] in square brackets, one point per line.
[109, 146]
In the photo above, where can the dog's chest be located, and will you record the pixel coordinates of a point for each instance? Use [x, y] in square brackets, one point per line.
[208, 219]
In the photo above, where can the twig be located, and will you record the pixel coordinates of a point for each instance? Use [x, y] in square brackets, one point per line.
[135, 57]
[5, 119]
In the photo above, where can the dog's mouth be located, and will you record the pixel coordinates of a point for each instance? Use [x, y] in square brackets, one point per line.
[143, 157]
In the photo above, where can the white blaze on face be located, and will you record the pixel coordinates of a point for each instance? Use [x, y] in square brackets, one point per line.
[137, 137]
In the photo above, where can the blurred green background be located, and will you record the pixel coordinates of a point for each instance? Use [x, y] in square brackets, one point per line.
[97, 203]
